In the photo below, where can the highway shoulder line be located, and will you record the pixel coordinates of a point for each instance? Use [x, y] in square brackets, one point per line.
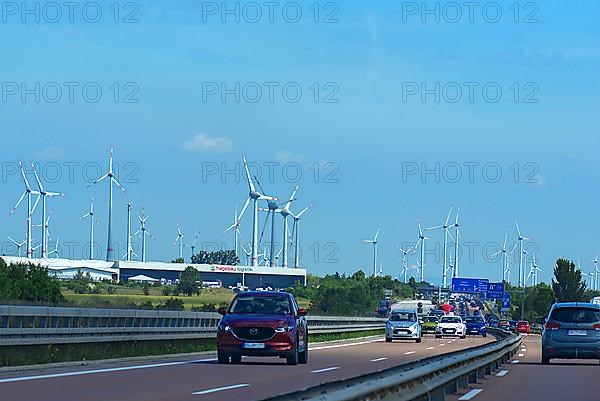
[470, 395]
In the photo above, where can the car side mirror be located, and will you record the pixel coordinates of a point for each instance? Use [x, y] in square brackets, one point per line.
[222, 311]
[302, 312]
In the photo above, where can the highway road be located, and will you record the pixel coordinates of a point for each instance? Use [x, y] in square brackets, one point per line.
[525, 379]
[202, 379]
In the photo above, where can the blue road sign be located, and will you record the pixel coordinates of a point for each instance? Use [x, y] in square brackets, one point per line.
[506, 302]
[495, 291]
[469, 285]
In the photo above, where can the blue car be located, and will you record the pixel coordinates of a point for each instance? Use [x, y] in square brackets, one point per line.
[476, 326]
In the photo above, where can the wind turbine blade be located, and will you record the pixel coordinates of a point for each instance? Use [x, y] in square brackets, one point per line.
[18, 203]
[51, 194]
[37, 201]
[448, 217]
[505, 238]
[37, 178]
[119, 185]
[243, 211]
[23, 175]
[85, 215]
[13, 241]
[433, 228]
[250, 183]
[303, 211]
[518, 231]
[267, 197]
[292, 197]
[98, 180]
[376, 234]
[457, 213]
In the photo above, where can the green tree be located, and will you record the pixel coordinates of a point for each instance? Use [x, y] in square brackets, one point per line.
[188, 282]
[178, 260]
[567, 283]
[226, 257]
[28, 282]
[412, 283]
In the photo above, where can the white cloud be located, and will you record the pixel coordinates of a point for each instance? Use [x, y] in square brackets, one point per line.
[51, 153]
[203, 143]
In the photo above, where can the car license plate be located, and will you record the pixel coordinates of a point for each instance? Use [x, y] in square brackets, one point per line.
[253, 345]
[576, 333]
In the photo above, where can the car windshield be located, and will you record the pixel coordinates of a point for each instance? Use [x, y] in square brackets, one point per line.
[450, 319]
[261, 305]
[430, 319]
[403, 317]
[576, 315]
[473, 320]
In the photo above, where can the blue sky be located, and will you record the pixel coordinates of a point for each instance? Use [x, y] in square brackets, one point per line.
[363, 145]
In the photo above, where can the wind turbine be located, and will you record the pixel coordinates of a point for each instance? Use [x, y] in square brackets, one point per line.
[18, 245]
[422, 239]
[28, 192]
[296, 235]
[90, 214]
[55, 251]
[405, 253]
[504, 259]
[236, 226]
[374, 242]
[255, 196]
[193, 246]
[144, 231]
[596, 272]
[129, 251]
[111, 179]
[445, 227]
[179, 238]
[520, 239]
[457, 235]
[43, 195]
[285, 212]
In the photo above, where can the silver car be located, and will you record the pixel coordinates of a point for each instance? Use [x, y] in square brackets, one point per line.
[571, 331]
[403, 325]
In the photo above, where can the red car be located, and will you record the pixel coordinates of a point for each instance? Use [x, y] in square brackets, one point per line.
[263, 323]
[523, 327]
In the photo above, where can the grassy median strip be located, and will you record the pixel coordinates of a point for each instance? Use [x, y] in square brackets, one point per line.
[53, 353]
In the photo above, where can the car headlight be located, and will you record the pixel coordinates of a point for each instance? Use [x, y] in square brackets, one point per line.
[224, 327]
[285, 329]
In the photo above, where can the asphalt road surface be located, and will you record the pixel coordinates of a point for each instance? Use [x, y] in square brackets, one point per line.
[204, 380]
[525, 379]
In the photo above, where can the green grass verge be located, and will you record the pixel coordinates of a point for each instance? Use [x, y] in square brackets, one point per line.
[42, 354]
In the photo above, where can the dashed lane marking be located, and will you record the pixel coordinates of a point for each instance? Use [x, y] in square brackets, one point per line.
[215, 390]
[502, 373]
[325, 369]
[470, 395]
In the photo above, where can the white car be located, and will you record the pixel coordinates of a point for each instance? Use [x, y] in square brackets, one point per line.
[451, 326]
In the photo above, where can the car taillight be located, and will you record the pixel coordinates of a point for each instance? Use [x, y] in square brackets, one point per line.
[596, 326]
[552, 326]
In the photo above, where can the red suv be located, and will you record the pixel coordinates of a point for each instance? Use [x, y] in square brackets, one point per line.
[523, 327]
[264, 323]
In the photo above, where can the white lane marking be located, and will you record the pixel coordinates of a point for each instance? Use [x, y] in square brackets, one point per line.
[410, 352]
[441, 345]
[89, 372]
[377, 359]
[515, 362]
[430, 348]
[450, 342]
[502, 373]
[214, 390]
[521, 354]
[344, 345]
[470, 395]
[325, 369]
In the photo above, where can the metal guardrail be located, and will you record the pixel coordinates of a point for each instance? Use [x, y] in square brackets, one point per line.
[428, 379]
[28, 325]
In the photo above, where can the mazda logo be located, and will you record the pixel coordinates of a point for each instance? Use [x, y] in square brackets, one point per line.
[253, 331]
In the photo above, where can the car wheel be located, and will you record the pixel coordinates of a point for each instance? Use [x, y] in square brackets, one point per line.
[418, 340]
[463, 337]
[236, 358]
[222, 357]
[388, 339]
[292, 358]
[303, 357]
[436, 336]
[545, 360]
[484, 334]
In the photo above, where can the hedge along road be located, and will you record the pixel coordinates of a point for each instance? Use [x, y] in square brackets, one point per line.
[203, 379]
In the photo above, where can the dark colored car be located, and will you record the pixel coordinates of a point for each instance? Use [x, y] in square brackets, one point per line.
[523, 327]
[263, 323]
[512, 325]
[437, 313]
[476, 325]
[571, 331]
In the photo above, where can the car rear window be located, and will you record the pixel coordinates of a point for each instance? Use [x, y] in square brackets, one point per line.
[575, 315]
[474, 320]
[450, 319]
[403, 317]
[430, 319]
